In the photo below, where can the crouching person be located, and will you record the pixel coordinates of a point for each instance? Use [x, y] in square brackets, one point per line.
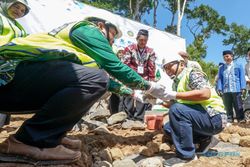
[196, 112]
[61, 74]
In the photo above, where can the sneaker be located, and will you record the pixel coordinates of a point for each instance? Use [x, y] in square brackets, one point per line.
[176, 161]
[12, 148]
[206, 144]
[73, 144]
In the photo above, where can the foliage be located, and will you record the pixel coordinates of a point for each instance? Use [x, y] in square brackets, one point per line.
[203, 21]
[239, 38]
[134, 9]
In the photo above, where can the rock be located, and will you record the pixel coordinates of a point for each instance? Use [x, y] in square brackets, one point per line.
[134, 125]
[106, 155]
[164, 147]
[234, 139]
[245, 141]
[159, 138]
[116, 118]
[124, 163]
[92, 124]
[101, 130]
[153, 146]
[150, 149]
[145, 151]
[116, 154]
[224, 137]
[246, 161]
[102, 164]
[95, 156]
[151, 162]
[99, 114]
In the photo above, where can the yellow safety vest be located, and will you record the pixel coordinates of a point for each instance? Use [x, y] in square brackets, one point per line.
[214, 101]
[9, 29]
[49, 46]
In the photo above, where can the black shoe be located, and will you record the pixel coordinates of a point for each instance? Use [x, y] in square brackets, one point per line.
[206, 144]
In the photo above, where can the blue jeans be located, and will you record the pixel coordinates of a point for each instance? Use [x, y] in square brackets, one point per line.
[189, 122]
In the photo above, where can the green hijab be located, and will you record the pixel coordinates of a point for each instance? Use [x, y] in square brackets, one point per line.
[5, 4]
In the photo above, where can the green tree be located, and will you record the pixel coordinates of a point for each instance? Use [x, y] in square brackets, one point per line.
[239, 38]
[133, 9]
[177, 10]
[203, 21]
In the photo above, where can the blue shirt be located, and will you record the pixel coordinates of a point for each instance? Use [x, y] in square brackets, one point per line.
[231, 78]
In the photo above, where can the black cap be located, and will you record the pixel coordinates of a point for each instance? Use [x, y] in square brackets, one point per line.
[248, 49]
[225, 52]
[142, 32]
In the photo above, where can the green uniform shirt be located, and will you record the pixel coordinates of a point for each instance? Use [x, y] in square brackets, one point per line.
[97, 47]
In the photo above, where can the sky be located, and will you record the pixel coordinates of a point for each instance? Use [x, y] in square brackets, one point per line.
[234, 10]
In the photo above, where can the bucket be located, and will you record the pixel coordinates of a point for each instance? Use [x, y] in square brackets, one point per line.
[154, 122]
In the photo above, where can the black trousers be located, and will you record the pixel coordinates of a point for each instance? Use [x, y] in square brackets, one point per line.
[135, 109]
[62, 92]
[233, 100]
[115, 103]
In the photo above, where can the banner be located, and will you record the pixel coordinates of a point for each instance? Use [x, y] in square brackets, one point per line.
[46, 15]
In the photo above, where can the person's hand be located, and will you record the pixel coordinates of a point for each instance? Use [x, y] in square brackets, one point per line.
[243, 94]
[219, 92]
[138, 95]
[169, 95]
[159, 91]
[155, 89]
[143, 98]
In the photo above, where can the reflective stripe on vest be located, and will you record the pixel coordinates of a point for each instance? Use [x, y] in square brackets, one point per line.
[47, 46]
[9, 30]
[214, 101]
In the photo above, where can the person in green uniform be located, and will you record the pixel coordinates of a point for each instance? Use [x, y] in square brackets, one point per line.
[62, 74]
[10, 10]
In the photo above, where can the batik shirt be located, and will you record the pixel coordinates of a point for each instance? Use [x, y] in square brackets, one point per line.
[142, 61]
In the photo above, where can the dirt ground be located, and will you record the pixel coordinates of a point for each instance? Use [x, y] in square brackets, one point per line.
[130, 141]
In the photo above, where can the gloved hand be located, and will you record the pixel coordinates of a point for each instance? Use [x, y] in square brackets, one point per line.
[155, 89]
[159, 91]
[169, 95]
[138, 95]
[143, 98]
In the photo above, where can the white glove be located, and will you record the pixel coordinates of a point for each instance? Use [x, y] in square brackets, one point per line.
[155, 89]
[159, 91]
[168, 95]
[138, 95]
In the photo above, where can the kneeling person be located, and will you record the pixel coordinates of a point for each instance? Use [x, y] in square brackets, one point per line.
[196, 112]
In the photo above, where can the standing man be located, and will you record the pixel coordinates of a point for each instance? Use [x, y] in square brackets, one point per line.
[141, 59]
[231, 85]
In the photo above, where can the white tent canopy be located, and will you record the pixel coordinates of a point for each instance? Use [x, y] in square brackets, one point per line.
[46, 15]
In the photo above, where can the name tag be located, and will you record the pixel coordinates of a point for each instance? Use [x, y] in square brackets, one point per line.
[140, 69]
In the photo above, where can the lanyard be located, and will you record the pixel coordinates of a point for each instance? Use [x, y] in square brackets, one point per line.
[140, 55]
